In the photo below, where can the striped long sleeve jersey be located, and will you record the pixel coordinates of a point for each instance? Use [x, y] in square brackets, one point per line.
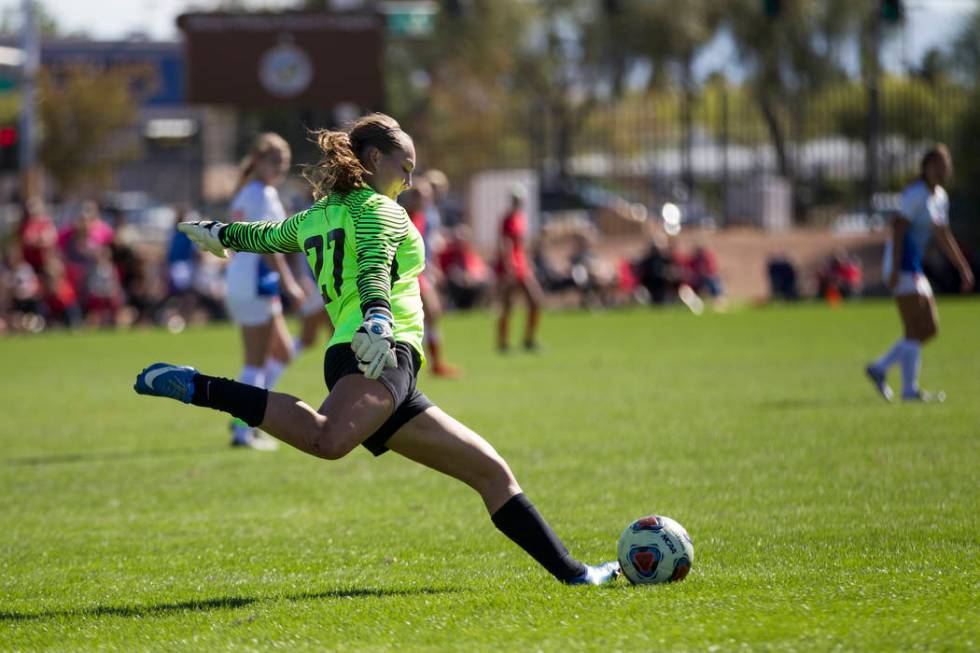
[363, 250]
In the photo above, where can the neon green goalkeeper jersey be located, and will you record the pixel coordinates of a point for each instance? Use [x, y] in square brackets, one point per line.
[363, 250]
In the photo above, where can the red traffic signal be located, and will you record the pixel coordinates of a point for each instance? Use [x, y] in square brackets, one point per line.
[8, 136]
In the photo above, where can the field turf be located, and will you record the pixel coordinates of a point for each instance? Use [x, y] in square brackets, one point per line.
[822, 518]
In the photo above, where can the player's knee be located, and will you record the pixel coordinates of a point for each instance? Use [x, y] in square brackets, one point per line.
[492, 474]
[330, 444]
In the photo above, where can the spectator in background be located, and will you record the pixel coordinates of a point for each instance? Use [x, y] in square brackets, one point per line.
[78, 250]
[97, 230]
[655, 269]
[549, 276]
[181, 257]
[704, 272]
[467, 276]
[593, 278]
[449, 207]
[103, 294]
[515, 275]
[37, 234]
[27, 294]
[782, 277]
[253, 279]
[60, 296]
[186, 279]
[138, 297]
[839, 276]
[415, 201]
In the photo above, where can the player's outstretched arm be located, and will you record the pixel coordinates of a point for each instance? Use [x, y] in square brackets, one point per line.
[947, 243]
[261, 237]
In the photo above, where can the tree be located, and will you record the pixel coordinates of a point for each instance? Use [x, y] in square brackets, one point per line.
[85, 116]
[964, 55]
[792, 56]
[964, 59]
[455, 91]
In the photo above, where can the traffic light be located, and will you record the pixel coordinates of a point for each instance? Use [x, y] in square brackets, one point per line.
[9, 151]
[772, 8]
[892, 10]
[612, 7]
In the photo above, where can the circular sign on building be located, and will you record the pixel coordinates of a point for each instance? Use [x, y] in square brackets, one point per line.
[285, 71]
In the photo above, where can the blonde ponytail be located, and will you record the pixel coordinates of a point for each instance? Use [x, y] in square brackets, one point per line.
[338, 169]
[341, 168]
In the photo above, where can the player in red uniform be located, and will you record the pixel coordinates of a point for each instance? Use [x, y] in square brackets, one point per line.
[514, 273]
[414, 200]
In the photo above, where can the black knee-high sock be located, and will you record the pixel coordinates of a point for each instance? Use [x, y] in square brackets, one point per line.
[246, 402]
[519, 520]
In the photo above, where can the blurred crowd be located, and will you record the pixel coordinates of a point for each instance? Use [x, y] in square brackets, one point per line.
[838, 277]
[94, 270]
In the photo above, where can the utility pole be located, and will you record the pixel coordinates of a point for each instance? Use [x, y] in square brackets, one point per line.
[30, 43]
[725, 181]
[874, 113]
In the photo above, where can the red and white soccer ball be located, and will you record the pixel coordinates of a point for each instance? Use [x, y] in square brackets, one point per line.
[655, 549]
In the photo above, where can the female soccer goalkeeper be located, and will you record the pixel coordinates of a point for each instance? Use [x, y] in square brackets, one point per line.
[366, 257]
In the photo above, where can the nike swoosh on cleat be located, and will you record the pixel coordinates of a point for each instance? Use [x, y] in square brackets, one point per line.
[151, 376]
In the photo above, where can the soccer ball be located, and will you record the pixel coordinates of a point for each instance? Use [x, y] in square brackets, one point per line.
[655, 549]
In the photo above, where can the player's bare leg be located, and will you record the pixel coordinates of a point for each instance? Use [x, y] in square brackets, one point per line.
[438, 441]
[921, 322]
[535, 298]
[432, 306]
[354, 409]
[255, 345]
[503, 321]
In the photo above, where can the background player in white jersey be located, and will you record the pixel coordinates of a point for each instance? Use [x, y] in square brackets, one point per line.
[253, 280]
[924, 214]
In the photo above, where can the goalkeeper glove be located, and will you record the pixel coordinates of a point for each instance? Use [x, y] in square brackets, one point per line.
[205, 234]
[373, 342]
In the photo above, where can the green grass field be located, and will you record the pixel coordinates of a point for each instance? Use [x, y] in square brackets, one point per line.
[823, 519]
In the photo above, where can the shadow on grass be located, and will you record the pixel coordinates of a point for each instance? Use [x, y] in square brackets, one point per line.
[793, 403]
[105, 456]
[222, 603]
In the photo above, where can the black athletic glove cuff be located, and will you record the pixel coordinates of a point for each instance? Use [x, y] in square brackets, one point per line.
[375, 303]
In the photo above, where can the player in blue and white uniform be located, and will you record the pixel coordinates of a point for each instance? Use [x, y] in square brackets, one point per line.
[924, 215]
[254, 280]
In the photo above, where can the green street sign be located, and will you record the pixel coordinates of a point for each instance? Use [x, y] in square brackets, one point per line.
[410, 19]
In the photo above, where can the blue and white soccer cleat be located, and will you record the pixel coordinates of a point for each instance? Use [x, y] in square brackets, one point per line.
[165, 380]
[598, 575]
[925, 397]
[877, 378]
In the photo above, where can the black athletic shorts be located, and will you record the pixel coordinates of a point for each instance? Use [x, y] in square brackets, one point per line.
[339, 361]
